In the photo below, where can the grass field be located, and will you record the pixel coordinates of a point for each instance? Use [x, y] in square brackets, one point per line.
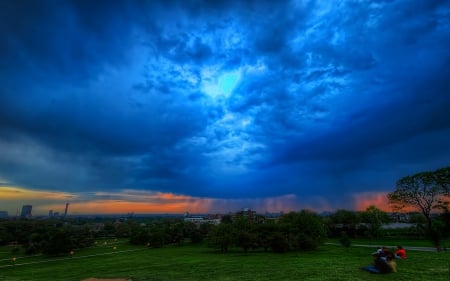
[331, 263]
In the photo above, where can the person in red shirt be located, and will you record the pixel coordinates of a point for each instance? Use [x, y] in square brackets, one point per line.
[400, 252]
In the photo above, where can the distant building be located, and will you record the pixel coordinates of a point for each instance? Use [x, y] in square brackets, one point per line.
[3, 214]
[399, 217]
[197, 220]
[246, 213]
[50, 213]
[397, 225]
[26, 211]
[66, 209]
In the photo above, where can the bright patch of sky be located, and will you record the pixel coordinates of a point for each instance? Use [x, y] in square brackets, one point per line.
[228, 82]
[219, 85]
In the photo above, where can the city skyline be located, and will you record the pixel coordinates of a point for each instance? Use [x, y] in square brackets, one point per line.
[213, 106]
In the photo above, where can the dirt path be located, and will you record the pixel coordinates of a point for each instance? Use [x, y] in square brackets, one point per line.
[412, 248]
[102, 279]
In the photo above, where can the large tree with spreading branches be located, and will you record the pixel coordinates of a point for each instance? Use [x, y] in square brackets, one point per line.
[425, 192]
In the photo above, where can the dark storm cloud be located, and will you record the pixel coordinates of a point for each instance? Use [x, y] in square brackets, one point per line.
[71, 41]
[134, 94]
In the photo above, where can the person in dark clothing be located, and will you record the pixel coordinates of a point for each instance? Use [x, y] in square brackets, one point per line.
[383, 262]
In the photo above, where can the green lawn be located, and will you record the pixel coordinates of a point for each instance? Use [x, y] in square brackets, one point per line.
[331, 263]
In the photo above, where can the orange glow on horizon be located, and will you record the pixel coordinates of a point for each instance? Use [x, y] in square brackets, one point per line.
[15, 193]
[138, 201]
[367, 199]
[379, 200]
[115, 206]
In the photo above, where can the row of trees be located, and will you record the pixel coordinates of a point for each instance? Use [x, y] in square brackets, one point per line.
[367, 223]
[295, 231]
[45, 237]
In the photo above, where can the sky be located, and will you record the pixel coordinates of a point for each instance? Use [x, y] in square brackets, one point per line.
[213, 106]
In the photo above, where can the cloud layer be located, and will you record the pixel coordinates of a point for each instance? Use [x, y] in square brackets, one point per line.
[216, 99]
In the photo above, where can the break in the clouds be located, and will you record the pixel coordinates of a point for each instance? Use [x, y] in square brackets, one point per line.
[320, 100]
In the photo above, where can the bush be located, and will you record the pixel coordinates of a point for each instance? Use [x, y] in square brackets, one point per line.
[345, 240]
[279, 243]
[58, 243]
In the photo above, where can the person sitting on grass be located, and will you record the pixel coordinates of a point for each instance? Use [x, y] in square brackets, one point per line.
[400, 253]
[383, 262]
[390, 261]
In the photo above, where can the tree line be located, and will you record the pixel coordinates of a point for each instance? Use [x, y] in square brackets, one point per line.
[295, 231]
[44, 236]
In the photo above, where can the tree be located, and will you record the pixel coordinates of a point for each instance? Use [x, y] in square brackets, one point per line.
[176, 232]
[345, 217]
[59, 242]
[417, 218]
[443, 179]
[245, 236]
[205, 228]
[222, 236]
[192, 231]
[123, 229]
[445, 218]
[279, 242]
[426, 191]
[375, 218]
[156, 236]
[305, 230]
[139, 236]
[265, 233]
[345, 240]
[343, 220]
[226, 219]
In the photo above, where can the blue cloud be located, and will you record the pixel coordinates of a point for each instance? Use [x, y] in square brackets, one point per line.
[223, 99]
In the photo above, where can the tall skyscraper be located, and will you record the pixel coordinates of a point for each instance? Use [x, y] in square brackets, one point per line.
[26, 211]
[67, 208]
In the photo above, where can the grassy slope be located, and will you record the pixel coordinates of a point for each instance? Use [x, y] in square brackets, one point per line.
[200, 263]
